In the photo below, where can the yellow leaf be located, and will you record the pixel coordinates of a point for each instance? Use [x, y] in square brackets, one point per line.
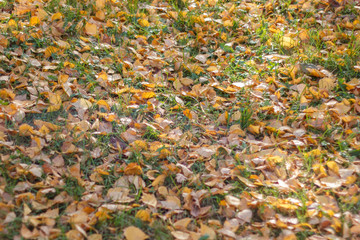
[188, 114]
[102, 172]
[55, 102]
[134, 233]
[103, 74]
[159, 180]
[147, 95]
[41, 14]
[164, 153]
[12, 23]
[110, 117]
[212, 69]
[34, 21]
[103, 103]
[109, 24]
[273, 160]
[287, 42]
[26, 130]
[332, 165]
[228, 23]
[44, 130]
[212, 2]
[100, 4]
[50, 50]
[319, 169]
[7, 94]
[139, 145]
[69, 64]
[254, 129]
[133, 169]
[143, 214]
[91, 29]
[100, 15]
[63, 78]
[314, 72]
[143, 22]
[350, 179]
[56, 16]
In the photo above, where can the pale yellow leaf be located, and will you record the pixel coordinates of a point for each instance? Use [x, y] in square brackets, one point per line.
[134, 233]
[327, 83]
[91, 29]
[287, 42]
[100, 4]
[212, 2]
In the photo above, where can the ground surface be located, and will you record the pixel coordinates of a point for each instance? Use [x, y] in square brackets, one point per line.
[179, 119]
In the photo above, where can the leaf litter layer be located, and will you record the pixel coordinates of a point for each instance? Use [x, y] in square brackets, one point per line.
[179, 119]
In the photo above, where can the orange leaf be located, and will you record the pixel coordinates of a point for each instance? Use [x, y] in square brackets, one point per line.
[188, 114]
[133, 169]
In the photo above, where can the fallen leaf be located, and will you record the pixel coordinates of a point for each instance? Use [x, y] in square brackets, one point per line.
[287, 42]
[134, 233]
[133, 169]
[327, 83]
[91, 29]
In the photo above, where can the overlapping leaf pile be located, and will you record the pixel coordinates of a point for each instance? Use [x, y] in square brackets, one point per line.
[179, 119]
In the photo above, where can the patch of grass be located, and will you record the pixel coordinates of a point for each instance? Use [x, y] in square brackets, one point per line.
[73, 188]
[151, 134]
